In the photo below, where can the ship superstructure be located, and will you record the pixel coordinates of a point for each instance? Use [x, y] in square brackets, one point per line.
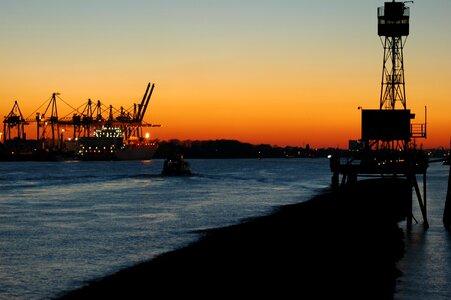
[109, 143]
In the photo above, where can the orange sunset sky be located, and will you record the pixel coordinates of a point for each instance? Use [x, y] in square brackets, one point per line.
[287, 72]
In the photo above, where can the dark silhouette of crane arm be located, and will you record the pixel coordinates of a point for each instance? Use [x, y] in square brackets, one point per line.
[144, 108]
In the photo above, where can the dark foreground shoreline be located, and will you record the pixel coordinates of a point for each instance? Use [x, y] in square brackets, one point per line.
[341, 245]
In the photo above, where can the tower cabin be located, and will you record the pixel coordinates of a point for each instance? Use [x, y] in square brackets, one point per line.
[393, 19]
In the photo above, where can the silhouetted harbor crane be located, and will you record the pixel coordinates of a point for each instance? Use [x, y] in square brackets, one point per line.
[56, 135]
[387, 147]
[14, 121]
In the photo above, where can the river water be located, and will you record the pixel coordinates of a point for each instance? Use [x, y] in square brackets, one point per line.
[64, 223]
[426, 265]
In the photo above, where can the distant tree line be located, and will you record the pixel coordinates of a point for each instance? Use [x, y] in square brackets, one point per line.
[235, 149]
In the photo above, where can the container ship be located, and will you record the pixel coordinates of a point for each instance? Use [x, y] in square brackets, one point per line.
[109, 143]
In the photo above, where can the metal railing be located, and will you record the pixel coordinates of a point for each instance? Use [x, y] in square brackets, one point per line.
[418, 130]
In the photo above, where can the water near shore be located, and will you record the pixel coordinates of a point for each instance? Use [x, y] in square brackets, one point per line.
[427, 262]
[62, 224]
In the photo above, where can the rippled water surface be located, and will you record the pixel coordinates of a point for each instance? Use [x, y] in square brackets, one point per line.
[63, 223]
[427, 262]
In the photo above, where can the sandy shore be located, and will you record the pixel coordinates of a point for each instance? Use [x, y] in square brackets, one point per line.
[341, 245]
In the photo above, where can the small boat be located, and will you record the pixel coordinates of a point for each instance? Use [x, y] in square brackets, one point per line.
[176, 166]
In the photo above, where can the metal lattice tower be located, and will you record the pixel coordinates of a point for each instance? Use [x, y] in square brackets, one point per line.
[393, 28]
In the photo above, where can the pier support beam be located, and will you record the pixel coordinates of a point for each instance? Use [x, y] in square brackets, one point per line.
[409, 216]
[335, 181]
[420, 200]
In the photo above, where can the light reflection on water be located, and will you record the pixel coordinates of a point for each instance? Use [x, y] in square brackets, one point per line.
[80, 221]
[427, 262]
[65, 223]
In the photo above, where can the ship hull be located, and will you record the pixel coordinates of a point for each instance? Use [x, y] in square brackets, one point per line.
[135, 153]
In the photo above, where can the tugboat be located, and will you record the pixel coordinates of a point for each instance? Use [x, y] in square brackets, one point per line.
[176, 166]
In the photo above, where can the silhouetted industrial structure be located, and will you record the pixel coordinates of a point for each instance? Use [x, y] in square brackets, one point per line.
[387, 147]
[56, 135]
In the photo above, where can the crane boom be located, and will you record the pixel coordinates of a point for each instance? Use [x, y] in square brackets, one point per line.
[140, 106]
[141, 116]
